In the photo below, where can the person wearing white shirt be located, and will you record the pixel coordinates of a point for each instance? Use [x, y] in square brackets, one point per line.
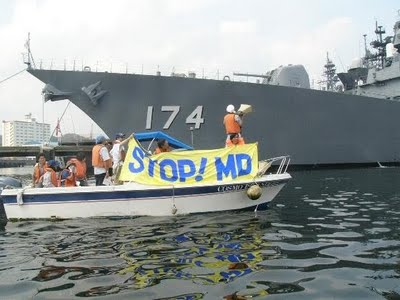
[116, 149]
[118, 153]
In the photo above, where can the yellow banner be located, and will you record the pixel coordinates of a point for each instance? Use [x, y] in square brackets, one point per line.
[190, 167]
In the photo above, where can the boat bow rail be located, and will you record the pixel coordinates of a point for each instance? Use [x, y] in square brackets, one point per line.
[283, 161]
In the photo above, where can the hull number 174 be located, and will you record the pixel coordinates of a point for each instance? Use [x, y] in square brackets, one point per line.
[195, 118]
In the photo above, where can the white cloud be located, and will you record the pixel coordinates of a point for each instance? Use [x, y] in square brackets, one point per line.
[238, 27]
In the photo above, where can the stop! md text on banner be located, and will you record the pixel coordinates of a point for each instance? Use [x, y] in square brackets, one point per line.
[190, 167]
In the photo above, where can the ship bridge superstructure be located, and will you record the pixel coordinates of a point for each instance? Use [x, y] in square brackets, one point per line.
[377, 74]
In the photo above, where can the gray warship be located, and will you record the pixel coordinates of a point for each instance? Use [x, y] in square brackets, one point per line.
[354, 120]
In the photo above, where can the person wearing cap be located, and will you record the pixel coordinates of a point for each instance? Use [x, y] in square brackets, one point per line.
[233, 127]
[101, 160]
[67, 177]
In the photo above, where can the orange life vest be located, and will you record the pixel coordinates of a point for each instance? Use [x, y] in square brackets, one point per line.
[53, 176]
[97, 160]
[38, 172]
[68, 181]
[231, 126]
[80, 168]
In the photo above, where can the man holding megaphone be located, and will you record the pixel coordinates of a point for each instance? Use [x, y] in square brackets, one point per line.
[233, 124]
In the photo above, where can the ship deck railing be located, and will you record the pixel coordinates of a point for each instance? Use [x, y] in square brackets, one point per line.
[141, 69]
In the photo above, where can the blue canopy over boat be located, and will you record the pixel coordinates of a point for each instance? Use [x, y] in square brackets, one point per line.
[158, 135]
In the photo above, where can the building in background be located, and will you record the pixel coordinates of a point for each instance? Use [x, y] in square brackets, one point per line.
[27, 132]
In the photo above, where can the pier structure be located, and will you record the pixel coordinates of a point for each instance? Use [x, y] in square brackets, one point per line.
[50, 152]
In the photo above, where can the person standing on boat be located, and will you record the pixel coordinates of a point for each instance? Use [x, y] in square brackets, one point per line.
[80, 163]
[101, 160]
[233, 127]
[163, 146]
[109, 146]
[118, 153]
[39, 170]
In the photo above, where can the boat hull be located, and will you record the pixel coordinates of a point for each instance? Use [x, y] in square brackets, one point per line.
[136, 200]
[313, 127]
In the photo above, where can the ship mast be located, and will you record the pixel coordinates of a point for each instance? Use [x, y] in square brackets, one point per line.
[378, 59]
[367, 55]
[29, 61]
[329, 74]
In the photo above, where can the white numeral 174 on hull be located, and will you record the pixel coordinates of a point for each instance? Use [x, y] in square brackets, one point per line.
[194, 118]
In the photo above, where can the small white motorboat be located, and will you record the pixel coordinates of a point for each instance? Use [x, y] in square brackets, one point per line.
[184, 196]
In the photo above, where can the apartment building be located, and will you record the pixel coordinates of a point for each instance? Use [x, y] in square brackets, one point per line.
[27, 132]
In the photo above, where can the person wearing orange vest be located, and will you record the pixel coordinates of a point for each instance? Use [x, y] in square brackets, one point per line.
[39, 170]
[80, 163]
[163, 146]
[67, 177]
[101, 160]
[49, 178]
[233, 127]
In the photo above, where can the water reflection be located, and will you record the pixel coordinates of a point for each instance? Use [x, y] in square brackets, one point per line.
[328, 233]
[204, 256]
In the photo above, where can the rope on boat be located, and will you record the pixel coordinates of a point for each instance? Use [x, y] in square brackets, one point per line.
[255, 211]
[20, 196]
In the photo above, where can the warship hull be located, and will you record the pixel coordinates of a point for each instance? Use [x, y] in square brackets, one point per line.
[314, 127]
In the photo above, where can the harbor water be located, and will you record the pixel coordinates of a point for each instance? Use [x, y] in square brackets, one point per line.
[330, 234]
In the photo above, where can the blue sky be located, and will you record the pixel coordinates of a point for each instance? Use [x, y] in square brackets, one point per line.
[180, 35]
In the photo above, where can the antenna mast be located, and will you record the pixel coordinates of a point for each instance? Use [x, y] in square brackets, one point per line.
[329, 74]
[365, 45]
[380, 45]
[30, 61]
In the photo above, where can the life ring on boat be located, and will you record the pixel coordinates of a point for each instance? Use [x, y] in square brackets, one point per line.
[227, 78]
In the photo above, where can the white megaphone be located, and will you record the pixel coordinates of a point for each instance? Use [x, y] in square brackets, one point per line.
[245, 109]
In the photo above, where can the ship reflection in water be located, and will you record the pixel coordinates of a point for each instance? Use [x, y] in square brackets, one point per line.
[329, 234]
